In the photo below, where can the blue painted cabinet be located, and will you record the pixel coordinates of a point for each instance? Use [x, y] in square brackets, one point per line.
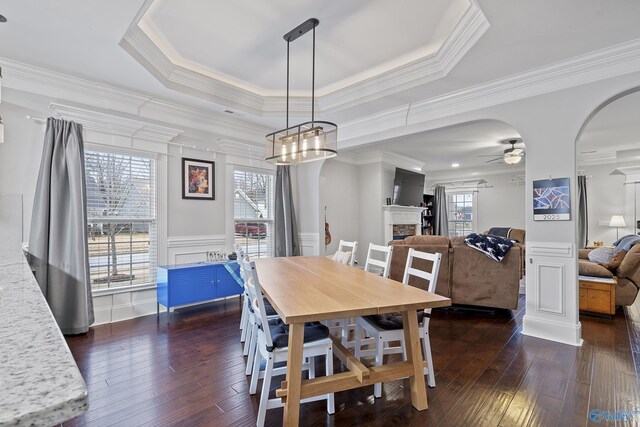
[193, 283]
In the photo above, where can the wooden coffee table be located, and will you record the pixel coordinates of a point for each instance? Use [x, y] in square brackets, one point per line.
[597, 295]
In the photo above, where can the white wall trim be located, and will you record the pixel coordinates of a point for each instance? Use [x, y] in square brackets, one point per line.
[309, 243]
[605, 63]
[112, 124]
[551, 249]
[554, 331]
[552, 293]
[187, 249]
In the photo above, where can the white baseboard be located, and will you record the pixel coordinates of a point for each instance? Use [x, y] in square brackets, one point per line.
[553, 331]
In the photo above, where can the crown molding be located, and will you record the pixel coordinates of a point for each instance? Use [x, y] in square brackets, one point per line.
[33, 79]
[216, 123]
[111, 124]
[466, 33]
[596, 159]
[95, 96]
[388, 158]
[614, 61]
[604, 63]
[248, 98]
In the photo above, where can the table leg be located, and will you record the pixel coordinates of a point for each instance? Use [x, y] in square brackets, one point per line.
[414, 355]
[294, 374]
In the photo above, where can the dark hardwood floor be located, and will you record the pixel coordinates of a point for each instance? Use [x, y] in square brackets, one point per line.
[190, 372]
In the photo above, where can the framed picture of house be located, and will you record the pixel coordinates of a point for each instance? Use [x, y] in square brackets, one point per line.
[551, 200]
[198, 179]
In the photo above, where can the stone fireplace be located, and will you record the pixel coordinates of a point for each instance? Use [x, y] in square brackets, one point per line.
[401, 221]
[400, 231]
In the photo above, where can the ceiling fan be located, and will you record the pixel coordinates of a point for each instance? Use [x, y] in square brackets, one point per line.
[511, 155]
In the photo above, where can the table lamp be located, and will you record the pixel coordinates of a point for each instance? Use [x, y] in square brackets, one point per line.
[617, 221]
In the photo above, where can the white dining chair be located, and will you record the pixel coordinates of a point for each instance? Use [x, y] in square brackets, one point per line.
[346, 253]
[273, 339]
[389, 327]
[250, 330]
[378, 261]
[244, 317]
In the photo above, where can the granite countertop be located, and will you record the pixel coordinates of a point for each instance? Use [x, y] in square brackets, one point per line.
[40, 383]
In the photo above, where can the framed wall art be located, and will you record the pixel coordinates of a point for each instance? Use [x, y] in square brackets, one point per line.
[198, 179]
[551, 200]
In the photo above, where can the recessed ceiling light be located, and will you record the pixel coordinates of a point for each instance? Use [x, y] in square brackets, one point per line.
[2, 18]
[455, 165]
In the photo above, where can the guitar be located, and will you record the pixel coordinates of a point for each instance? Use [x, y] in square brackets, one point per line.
[327, 233]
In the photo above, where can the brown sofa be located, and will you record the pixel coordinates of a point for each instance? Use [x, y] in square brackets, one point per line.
[467, 276]
[627, 273]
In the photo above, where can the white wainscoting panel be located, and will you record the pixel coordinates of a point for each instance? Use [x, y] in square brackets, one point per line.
[552, 293]
[549, 288]
[309, 244]
[186, 249]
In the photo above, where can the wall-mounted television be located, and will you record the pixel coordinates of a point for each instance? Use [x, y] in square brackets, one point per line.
[408, 188]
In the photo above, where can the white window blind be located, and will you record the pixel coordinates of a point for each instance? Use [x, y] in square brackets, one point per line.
[460, 214]
[121, 212]
[253, 206]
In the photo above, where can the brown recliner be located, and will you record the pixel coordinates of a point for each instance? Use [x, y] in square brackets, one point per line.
[627, 273]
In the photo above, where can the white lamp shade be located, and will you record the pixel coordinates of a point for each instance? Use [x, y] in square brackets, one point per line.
[617, 221]
[512, 159]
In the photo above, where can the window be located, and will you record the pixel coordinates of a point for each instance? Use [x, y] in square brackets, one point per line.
[121, 213]
[253, 206]
[460, 214]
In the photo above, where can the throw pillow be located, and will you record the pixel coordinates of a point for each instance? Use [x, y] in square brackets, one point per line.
[615, 260]
[342, 257]
[586, 268]
[601, 255]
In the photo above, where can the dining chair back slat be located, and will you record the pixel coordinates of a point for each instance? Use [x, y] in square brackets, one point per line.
[257, 299]
[430, 276]
[385, 264]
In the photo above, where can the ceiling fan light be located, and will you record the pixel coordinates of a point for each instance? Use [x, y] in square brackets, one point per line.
[512, 160]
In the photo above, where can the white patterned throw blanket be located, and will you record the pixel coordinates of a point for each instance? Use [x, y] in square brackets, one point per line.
[494, 247]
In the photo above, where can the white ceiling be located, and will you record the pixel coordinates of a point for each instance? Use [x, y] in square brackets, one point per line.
[242, 42]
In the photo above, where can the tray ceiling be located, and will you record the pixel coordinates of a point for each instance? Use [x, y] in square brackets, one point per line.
[234, 52]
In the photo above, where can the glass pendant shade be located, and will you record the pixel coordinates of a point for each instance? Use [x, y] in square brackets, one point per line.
[303, 143]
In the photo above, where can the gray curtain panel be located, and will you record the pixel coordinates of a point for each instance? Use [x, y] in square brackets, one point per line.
[286, 226]
[58, 241]
[441, 220]
[583, 218]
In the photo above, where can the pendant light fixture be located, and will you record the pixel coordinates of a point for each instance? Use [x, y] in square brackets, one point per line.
[308, 141]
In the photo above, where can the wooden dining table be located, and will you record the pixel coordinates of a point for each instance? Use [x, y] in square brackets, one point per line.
[306, 289]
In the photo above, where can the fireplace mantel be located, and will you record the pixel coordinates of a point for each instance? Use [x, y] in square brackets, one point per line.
[400, 215]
